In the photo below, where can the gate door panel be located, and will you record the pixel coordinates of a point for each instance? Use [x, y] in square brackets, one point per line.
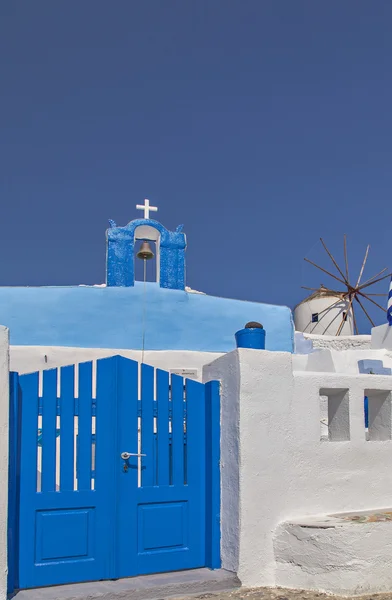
[65, 502]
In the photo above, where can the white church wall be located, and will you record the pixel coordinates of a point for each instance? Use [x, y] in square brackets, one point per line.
[286, 471]
[4, 428]
[27, 359]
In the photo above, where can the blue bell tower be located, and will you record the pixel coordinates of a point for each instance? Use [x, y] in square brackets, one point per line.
[120, 251]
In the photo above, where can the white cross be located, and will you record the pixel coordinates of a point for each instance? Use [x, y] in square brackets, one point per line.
[146, 207]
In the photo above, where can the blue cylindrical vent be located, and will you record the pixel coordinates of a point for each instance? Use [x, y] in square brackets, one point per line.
[253, 336]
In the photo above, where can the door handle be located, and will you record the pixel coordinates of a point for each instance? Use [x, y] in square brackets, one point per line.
[126, 455]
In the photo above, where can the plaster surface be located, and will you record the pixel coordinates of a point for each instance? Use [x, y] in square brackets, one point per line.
[286, 471]
[344, 342]
[4, 412]
[27, 359]
[113, 317]
[341, 361]
[230, 456]
[382, 337]
[337, 558]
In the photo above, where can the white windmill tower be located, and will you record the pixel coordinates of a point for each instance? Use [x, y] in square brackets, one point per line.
[328, 311]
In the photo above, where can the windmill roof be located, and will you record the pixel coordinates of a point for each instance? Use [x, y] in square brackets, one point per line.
[322, 292]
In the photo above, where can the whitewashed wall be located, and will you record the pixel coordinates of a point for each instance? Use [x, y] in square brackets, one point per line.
[27, 359]
[340, 342]
[4, 405]
[281, 469]
[339, 361]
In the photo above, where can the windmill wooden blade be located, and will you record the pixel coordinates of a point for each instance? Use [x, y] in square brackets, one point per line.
[374, 276]
[334, 261]
[364, 310]
[363, 266]
[324, 270]
[345, 315]
[325, 311]
[361, 287]
[345, 257]
[355, 320]
[330, 323]
[374, 302]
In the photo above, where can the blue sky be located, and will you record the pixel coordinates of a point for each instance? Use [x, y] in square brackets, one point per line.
[260, 125]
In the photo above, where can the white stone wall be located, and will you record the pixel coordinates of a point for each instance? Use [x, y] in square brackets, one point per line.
[27, 359]
[339, 361]
[4, 410]
[341, 342]
[282, 469]
[382, 337]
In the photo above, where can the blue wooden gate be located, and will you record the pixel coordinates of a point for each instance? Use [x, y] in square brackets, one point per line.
[118, 474]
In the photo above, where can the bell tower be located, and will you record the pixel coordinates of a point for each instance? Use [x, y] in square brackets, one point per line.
[170, 250]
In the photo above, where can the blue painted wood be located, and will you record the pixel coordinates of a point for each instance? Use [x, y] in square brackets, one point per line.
[148, 461]
[49, 403]
[127, 398]
[196, 455]
[67, 411]
[213, 538]
[68, 535]
[13, 483]
[163, 427]
[107, 463]
[177, 401]
[28, 481]
[119, 529]
[84, 446]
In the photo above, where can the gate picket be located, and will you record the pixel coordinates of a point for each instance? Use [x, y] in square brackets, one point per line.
[177, 401]
[148, 461]
[67, 420]
[49, 417]
[163, 427]
[84, 447]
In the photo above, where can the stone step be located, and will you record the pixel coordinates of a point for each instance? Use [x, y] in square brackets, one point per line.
[342, 554]
[146, 587]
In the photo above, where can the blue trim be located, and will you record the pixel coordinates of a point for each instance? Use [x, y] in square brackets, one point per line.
[389, 311]
[213, 534]
[13, 484]
[366, 411]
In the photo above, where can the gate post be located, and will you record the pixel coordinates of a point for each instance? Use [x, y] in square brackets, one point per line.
[4, 452]
[13, 482]
[212, 399]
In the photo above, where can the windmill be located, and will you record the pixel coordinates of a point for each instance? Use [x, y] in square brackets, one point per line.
[331, 311]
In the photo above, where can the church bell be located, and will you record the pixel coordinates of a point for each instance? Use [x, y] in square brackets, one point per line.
[145, 251]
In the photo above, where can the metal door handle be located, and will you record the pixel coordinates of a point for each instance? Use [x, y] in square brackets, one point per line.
[126, 455]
